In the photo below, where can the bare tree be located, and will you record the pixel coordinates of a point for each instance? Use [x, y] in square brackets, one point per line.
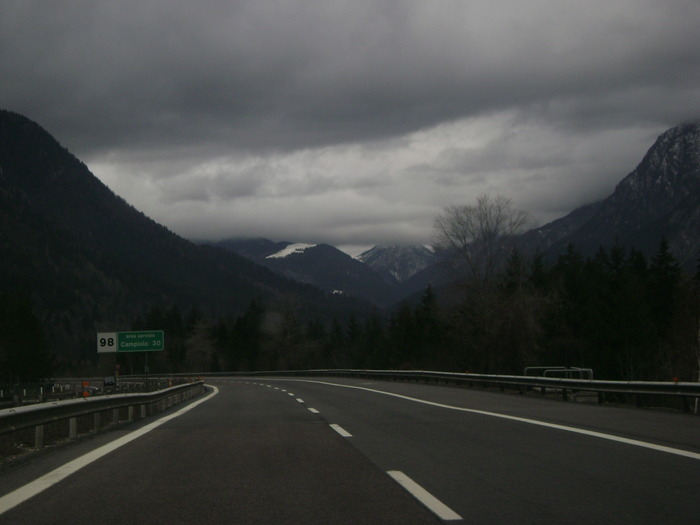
[497, 325]
[477, 239]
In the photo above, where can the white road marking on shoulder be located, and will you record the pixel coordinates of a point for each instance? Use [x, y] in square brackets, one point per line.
[14, 498]
[340, 430]
[436, 506]
[591, 433]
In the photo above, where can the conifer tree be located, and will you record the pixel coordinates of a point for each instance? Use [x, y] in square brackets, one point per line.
[664, 281]
[24, 351]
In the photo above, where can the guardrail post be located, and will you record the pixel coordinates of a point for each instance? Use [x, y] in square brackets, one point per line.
[73, 428]
[39, 436]
[115, 415]
[564, 394]
[143, 411]
[131, 413]
[96, 421]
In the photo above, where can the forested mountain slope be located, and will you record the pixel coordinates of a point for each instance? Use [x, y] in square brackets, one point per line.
[659, 199]
[88, 260]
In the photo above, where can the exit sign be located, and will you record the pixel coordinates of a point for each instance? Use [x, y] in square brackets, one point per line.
[143, 341]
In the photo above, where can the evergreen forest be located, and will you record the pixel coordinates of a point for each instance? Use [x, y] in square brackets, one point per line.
[625, 317]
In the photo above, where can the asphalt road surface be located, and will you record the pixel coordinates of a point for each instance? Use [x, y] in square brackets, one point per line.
[334, 451]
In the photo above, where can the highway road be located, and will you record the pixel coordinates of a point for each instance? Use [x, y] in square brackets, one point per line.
[334, 451]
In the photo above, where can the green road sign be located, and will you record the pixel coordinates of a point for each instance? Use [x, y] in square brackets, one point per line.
[144, 341]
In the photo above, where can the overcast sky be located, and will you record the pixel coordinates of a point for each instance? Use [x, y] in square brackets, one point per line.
[351, 122]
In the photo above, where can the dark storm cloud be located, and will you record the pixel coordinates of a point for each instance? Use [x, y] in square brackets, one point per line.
[217, 101]
[293, 74]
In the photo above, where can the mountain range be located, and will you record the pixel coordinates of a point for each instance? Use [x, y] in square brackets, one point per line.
[382, 275]
[659, 199]
[90, 262]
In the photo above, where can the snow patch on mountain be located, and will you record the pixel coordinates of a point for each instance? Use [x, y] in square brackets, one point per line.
[290, 250]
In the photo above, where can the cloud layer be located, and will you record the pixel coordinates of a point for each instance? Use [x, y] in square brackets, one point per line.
[350, 122]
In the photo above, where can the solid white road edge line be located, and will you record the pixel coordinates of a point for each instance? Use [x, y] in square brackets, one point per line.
[340, 430]
[14, 498]
[592, 433]
[436, 506]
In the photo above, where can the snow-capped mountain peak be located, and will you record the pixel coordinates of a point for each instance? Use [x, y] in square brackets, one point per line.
[398, 263]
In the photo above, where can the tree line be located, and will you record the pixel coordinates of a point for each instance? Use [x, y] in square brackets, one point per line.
[626, 316]
[623, 315]
[616, 312]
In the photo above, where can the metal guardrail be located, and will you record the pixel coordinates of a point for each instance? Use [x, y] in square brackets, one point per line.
[683, 390]
[76, 387]
[560, 371]
[40, 415]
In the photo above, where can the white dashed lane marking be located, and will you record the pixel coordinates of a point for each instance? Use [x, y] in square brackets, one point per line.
[340, 430]
[436, 506]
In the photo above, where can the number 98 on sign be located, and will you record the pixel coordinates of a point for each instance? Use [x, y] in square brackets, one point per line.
[106, 342]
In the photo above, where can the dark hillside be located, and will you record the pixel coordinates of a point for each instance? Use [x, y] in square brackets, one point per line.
[90, 261]
[659, 199]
